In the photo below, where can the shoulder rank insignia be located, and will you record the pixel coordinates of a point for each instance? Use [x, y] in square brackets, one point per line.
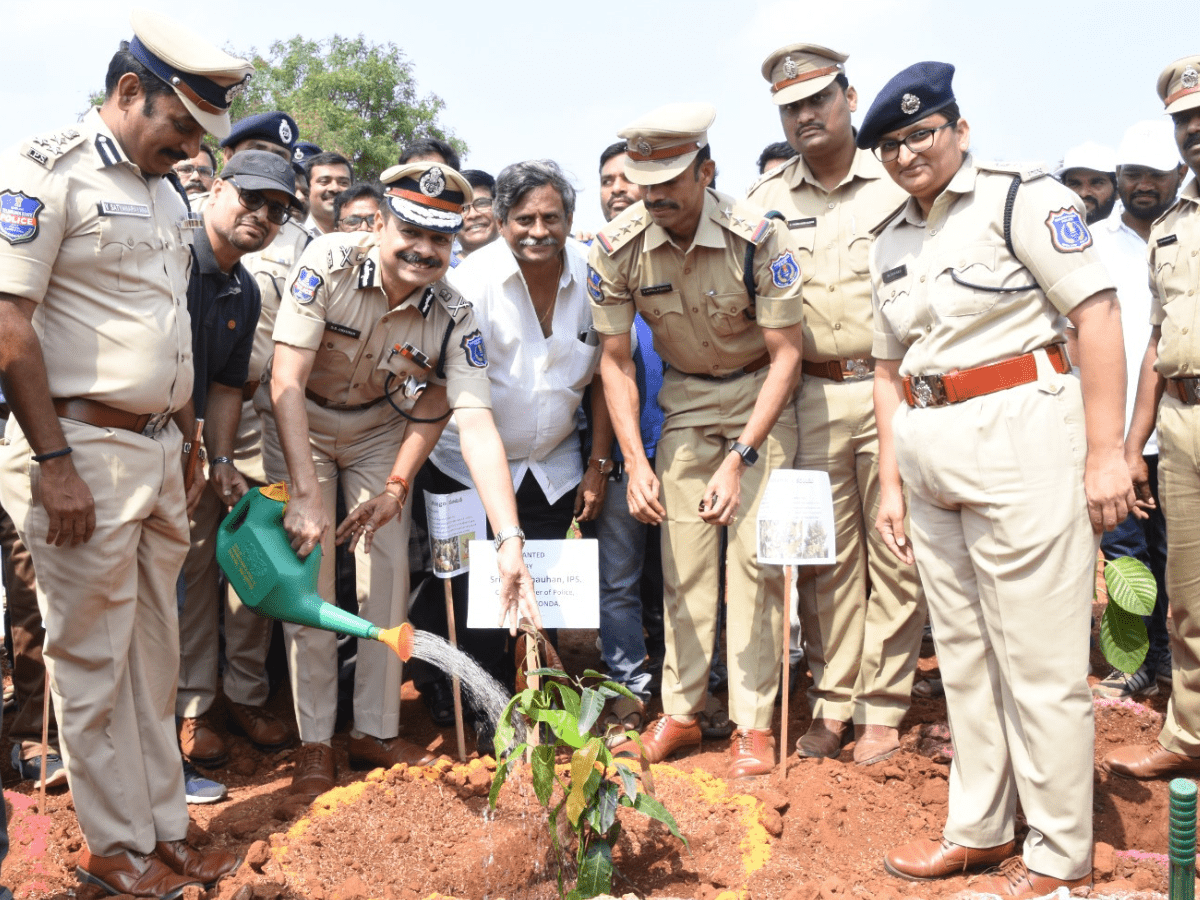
[623, 229]
[1068, 234]
[784, 270]
[304, 287]
[472, 345]
[743, 219]
[366, 274]
[1026, 171]
[19, 217]
[45, 149]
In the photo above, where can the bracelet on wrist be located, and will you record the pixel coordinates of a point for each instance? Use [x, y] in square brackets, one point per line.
[403, 484]
[222, 459]
[53, 454]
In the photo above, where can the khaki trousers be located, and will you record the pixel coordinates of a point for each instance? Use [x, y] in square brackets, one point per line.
[1007, 556]
[1179, 480]
[863, 617]
[356, 449]
[703, 419]
[112, 630]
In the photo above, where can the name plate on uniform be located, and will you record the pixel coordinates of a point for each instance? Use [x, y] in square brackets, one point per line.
[795, 520]
[566, 578]
[115, 208]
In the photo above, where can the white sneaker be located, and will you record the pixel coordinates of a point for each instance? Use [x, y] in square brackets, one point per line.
[1121, 686]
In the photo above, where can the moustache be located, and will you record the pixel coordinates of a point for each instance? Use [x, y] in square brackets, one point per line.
[662, 204]
[416, 259]
[173, 155]
[1193, 138]
[537, 242]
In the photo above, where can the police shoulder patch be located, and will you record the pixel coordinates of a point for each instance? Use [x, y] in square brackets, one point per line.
[593, 285]
[472, 345]
[1068, 233]
[19, 217]
[784, 270]
[305, 285]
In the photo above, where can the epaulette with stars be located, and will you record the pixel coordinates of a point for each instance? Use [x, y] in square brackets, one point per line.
[743, 219]
[631, 222]
[47, 149]
[1027, 171]
[776, 172]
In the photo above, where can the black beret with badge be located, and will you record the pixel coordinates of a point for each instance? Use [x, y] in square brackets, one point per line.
[273, 127]
[918, 91]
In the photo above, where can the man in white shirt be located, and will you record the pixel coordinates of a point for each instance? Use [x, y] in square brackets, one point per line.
[532, 308]
[1149, 174]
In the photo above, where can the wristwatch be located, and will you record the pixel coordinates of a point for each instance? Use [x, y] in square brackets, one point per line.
[601, 465]
[505, 533]
[748, 454]
[223, 459]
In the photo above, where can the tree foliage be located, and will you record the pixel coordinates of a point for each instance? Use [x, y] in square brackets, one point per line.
[347, 95]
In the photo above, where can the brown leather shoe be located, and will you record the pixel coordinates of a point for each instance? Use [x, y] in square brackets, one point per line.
[1013, 879]
[264, 730]
[824, 739]
[925, 860]
[368, 752]
[1153, 761]
[664, 737]
[753, 752]
[206, 866]
[314, 772]
[200, 742]
[874, 743]
[131, 873]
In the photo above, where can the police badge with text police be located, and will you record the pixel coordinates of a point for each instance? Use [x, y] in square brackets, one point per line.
[784, 270]
[304, 288]
[19, 217]
[1068, 234]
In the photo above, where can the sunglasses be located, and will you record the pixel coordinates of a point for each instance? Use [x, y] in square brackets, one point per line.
[277, 213]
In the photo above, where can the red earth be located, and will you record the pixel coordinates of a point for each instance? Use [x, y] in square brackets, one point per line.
[817, 834]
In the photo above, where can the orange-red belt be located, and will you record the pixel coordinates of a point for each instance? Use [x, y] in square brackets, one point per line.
[744, 370]
[840, 369]
[954, 387]
[93, 412]
[1185, 389]
[340, 407]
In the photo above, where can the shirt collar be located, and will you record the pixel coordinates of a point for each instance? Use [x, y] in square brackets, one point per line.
[205, 259]
[963, 182]
[108, 150]
[864, 166]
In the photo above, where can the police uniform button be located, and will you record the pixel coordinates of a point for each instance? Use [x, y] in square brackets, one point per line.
[922, 279]
[705, 343]
[356, 386]
[329, 345]
[129, 241]
[656, 312]
[695, 309]
[831, 206]
[837, 326]
[928, 328]
[932, 232]
[370, 355]
[231, 324]
[832, 288]
[687, 271]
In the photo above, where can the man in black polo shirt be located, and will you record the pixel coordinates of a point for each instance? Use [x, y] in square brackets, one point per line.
[254, 195]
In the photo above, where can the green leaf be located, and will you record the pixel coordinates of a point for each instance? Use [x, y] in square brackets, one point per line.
[590, 707]
[595, 871]
[583, 764]
[546, 673]
[592, 673]
[542, 764]
[1123, 638]
[603, 811]
[616, 688]
[506, 732]
[628, 781]
[564, 724]
[567, 696]
[1130, 585]
[648, 806]
[498, 782]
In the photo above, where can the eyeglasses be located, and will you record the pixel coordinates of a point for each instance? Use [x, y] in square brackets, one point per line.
[917, 142]
[479, 203]
[354, 222]
[188, 169]
[277, 213]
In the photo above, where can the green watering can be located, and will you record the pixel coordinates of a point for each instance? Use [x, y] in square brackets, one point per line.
[254, 553]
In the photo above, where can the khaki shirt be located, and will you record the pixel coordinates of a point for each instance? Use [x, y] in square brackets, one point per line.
[334, 303]
[105, 253]
[1174, 253]
[271, 267]
[695, 302]
[833, 231]
[947, 293]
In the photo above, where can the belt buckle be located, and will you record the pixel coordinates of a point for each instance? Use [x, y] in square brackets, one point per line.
[1188, 389]
[856, 369]
[157, 423]
[928, 390]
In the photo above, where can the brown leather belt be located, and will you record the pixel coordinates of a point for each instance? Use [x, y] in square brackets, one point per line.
[840, 369]
[1185, 389]
[92, 412]
[248, 389]
[339, 407]
[923, 391]
[747, 369]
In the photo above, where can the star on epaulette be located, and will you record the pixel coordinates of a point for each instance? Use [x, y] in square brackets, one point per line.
[739, 221]
[635, 221]
[726, 211]
[626, 228]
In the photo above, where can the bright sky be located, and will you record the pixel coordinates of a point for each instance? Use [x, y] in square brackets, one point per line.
[546, 78]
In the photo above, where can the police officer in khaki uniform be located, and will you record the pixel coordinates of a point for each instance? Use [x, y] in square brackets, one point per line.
[96, 357]
[1009, 482]
[1169, 387]
[372, 351]
[862, 617]
[678, 258]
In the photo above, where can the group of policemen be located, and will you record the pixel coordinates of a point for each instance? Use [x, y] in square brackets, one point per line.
[973, 464]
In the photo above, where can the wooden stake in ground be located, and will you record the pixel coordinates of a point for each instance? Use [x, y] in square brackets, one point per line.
[786, 667]
[45, 742]
[457, 688]
[532, 664]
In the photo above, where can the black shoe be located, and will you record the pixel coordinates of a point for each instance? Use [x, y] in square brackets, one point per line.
[438, 697]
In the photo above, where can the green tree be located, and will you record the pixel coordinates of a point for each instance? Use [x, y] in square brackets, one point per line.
[346, 94]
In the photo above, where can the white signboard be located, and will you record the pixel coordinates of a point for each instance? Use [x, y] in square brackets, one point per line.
[795, 520]
[455, 520]
[566, 578]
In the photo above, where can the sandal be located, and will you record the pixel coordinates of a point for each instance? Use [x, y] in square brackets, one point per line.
[621, 715]
[714, 719]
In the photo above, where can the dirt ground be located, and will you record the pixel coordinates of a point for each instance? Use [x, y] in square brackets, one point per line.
[818, 834]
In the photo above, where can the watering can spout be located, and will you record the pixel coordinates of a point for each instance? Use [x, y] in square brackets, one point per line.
[400, 639]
